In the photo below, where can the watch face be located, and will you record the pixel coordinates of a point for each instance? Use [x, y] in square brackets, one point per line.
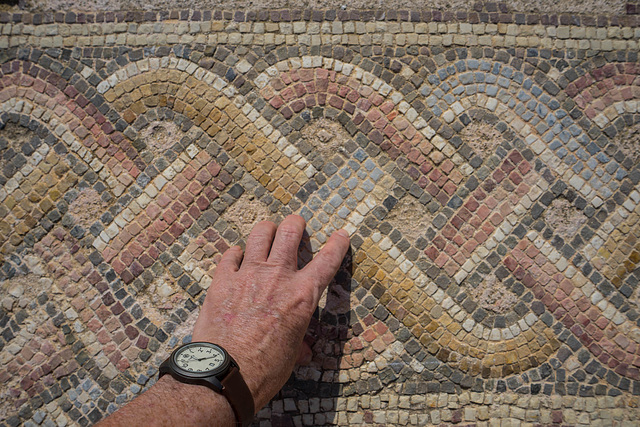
[200, 357]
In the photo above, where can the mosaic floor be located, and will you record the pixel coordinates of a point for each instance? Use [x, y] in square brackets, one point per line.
[486, 164]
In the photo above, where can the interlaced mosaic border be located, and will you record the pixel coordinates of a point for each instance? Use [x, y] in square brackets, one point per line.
[401, 337]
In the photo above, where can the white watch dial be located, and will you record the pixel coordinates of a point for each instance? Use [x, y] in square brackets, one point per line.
[200, 357]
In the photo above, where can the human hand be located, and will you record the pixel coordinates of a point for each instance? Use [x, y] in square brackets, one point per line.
[258, 306]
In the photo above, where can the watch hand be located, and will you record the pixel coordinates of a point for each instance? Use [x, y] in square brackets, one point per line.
[205, 358]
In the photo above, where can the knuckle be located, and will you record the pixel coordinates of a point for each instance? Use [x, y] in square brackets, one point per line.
[289, 231]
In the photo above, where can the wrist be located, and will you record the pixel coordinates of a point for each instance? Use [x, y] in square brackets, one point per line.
[208, 365]
[206, 407]
[170, 402]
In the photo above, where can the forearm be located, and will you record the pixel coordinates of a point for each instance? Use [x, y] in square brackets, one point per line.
[171, 403]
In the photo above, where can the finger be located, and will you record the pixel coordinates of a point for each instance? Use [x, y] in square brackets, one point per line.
[304, 355]
[325, 265]
[259, 242]
[285, 246]
[231, 260]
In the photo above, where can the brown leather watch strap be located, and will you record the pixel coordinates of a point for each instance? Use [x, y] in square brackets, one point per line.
[236, 391]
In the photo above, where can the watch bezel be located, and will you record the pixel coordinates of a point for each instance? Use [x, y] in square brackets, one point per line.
[224, 367]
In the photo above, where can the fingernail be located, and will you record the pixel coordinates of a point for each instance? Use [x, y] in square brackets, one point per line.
[343, 233]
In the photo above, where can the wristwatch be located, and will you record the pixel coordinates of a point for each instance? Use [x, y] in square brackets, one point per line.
[210, 365]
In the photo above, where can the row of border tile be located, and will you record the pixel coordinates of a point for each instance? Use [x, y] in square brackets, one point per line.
[479, 13]
[627, 39]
